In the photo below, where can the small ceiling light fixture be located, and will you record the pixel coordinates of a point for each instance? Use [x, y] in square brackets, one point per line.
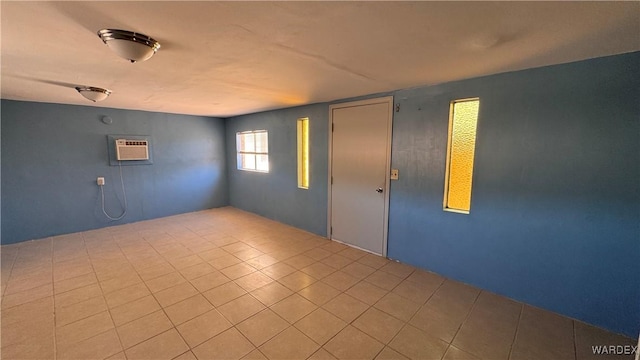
[94, 94]
[129, 45]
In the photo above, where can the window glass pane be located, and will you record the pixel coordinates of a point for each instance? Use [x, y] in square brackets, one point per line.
[262, 143]
[303, 153]
[249, 144]
[462, 141]
[249, 161]
[262, 163]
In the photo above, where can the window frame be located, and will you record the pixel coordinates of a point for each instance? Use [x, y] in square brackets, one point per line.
[304, 160]
[447, 179]
[240, 152]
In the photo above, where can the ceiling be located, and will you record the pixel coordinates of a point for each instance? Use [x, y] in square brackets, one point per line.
[230, 58]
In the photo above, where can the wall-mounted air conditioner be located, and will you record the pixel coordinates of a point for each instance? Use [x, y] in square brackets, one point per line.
[132, 149]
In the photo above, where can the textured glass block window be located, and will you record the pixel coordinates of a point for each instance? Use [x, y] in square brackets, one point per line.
[253, 150]
[463, 121]
[303, 153]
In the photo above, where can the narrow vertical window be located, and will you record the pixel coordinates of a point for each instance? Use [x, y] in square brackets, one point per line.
[303, 153]
[463, 121]
[253, 150]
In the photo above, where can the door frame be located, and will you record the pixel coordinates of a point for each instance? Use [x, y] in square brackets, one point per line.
[388, 100]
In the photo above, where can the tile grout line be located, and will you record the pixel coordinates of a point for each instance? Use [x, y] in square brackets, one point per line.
[515, 334]
[466, 318]
[55, 329]
[575, 343]
[103, 297]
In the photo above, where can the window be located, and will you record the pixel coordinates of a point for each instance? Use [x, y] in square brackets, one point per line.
[303, 153]
[463, 120]
[253, 150]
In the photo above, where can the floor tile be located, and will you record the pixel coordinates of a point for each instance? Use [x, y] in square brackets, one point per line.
[379, 325]
[120, 282]
[253, 281]
[26, 296]
[70, 334]
[358, 271]
[398, 269]
[289, 344]
[241, 308]
[236, 271]
[98, 347]
[144, 328]
[74, 283]
[318, 254]
[297, 281]
[167, 345]
[397, 306]
[366, 292]
[453, 353]
[373, 261]
[209, 281]
[279, 270]
[134, 310]
[588, 336]
[188, 309]
[318, 270]
[336, 261]
[543, 335]
[165, 281]
[126, 295]
[227, 345]
[352, 343]
[225, 261]
[340, 280]
[345, 307]
[203, 327]
[416, 292]
[389, 354]
[156, 271]
[320, 326]
[255, 355]
[77, 295]
[224, 293]
[196, 271]
[80, 310]
[186, 356]
[262, 326]
[271, 293]
[319, 293]
[40, 329]
[384, 280]
[262, 261]
[293, 308]
[415, 344]
[300, 261]
[175, 294]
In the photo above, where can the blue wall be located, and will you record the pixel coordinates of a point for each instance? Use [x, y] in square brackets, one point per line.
[276, 194]
[555, 210]
[52, 154]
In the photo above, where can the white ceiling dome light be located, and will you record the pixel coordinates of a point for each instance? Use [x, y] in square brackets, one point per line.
[94, 94]
[129, 45]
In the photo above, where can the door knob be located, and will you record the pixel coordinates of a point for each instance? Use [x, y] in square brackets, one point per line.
[379, 190]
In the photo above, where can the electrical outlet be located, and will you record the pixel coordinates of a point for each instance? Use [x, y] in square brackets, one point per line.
[100, 181]
[394, 174]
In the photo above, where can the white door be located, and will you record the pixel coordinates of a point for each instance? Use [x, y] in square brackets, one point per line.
[360, 155]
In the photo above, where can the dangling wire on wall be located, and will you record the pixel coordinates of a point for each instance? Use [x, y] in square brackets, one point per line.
[124, 195]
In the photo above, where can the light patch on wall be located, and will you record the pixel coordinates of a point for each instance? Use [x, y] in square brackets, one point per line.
[303, 153]
[463, 121]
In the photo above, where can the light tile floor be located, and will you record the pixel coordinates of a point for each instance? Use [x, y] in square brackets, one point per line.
[226, 284]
